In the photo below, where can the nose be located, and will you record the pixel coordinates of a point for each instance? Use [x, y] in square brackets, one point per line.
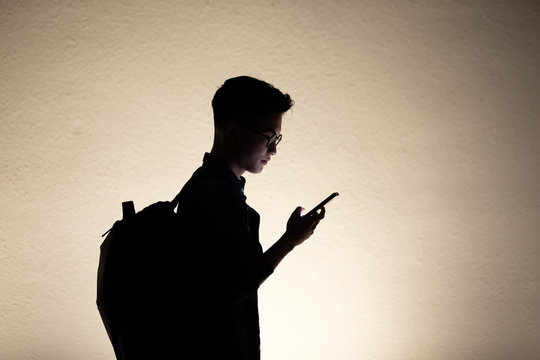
[272, 148]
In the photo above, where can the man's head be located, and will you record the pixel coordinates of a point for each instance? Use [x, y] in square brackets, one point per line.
[244, 98]
[247, 121]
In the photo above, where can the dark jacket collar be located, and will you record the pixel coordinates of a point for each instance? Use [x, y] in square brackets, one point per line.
[218, 167]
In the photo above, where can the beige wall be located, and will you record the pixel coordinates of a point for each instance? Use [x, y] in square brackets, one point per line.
[422, 114]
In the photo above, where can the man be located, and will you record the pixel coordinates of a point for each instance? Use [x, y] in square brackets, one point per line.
[228, 263]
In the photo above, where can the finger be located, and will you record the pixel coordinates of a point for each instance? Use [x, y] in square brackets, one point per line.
[321, 214]
[298, 211]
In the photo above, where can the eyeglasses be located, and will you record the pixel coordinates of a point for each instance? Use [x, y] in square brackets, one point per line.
[269, 139]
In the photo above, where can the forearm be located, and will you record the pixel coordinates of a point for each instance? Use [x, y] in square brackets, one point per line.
[279, 250]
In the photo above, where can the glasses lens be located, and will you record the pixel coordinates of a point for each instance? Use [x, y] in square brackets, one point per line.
[275, 138]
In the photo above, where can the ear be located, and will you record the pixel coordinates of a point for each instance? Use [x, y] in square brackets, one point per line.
[230, 131]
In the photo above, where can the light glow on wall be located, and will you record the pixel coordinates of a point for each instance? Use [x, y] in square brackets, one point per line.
[422, 115]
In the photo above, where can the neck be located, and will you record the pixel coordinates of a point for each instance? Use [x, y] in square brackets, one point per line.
[228, 159]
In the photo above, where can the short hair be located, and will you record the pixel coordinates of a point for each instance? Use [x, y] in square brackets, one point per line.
[246, 96]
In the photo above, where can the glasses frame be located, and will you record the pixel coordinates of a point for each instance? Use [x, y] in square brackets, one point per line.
[269, 139]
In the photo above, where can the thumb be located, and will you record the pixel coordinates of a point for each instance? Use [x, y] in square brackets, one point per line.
[298, 211]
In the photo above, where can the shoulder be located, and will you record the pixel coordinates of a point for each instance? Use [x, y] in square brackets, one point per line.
[213, 187]
[214, 205]
[212, 192]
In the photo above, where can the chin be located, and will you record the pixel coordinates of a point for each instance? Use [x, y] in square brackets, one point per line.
[254, 166]
[255, 170]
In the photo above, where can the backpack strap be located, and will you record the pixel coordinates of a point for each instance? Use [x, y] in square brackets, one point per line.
[128, 210]
[177, 198]
[195, 178]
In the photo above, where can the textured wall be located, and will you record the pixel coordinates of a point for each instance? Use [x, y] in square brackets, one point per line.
[422, 114]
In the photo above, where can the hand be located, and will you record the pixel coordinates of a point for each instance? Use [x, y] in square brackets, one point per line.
[300, 228]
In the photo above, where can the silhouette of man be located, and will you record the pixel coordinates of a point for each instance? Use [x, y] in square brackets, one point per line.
[228, 263]
[187, 289]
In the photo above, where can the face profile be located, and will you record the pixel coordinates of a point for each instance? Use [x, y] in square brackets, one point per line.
[258, 144]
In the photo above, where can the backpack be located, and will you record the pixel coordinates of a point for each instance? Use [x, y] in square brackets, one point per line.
[140, 273]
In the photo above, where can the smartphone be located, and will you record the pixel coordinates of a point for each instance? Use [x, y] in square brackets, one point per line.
[324, 202]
